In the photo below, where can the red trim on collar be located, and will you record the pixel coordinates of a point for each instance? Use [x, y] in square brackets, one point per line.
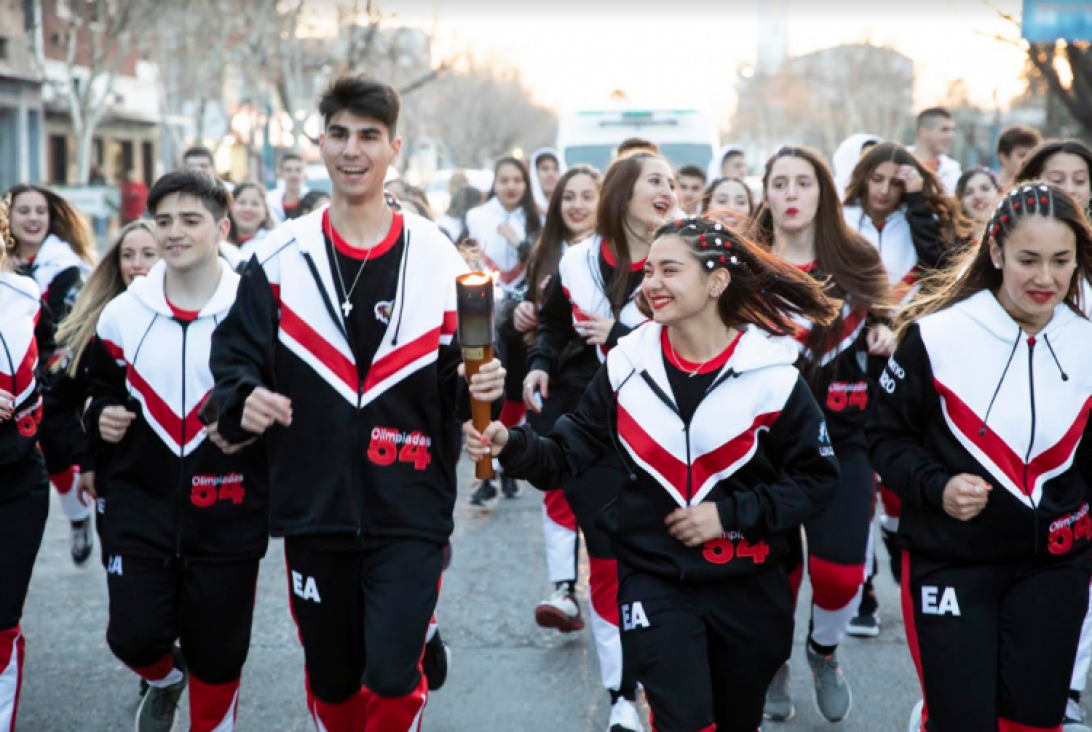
[186, 316]
[715, 364]
[807, 268]
[608, 255]
[377, 251]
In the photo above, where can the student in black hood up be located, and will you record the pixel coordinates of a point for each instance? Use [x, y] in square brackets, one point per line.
[727, 453]
[979, 427]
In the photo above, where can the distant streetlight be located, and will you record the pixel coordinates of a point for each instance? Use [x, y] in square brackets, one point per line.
[518, 153]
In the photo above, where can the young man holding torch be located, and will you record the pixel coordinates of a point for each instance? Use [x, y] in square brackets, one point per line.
[341, 351]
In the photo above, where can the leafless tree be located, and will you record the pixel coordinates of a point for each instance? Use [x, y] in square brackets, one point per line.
[98, 38]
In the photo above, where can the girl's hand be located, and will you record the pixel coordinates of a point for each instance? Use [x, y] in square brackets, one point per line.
[911, 178]
[85, 490]
[488, 384]
[965, 496]
[7, 405]
[880, 340]
[485, 444]
[695, 525]
[524, 317]
[596, 329]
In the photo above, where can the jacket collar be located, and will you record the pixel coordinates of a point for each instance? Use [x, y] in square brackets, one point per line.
[150, 290]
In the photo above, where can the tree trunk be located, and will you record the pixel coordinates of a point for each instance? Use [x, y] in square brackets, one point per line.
[84, 145]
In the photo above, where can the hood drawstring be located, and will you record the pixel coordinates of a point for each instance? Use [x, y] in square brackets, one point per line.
[11, 365]
[402, 297]
[1065, 376]
[996, 391]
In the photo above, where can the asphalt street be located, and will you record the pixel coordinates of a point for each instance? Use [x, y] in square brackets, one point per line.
[506, 673]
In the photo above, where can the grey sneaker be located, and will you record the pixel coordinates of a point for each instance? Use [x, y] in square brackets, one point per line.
[157, 709]
[779, 706]
[832, 694]
[1074, 718]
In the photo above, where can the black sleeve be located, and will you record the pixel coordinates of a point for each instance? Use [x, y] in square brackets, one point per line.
[63, 291]
[900, 413]
[798, 445]
[62, 430]
[924, 230]
[107, 385]
[617, 332]
[576, 443]
[555, 328]
[61, 436]
[243, 351]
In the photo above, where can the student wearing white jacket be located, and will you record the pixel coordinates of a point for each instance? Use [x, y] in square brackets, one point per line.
[936, 132]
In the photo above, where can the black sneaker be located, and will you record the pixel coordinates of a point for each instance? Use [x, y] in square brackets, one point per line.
[158, 707]
[867, 622]
[82, 542]
[485, 496]
[435, 662]
[510, 487]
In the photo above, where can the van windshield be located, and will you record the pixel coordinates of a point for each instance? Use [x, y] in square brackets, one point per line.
[677, 153]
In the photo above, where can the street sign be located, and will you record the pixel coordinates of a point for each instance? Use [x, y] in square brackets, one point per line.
[1046, 21]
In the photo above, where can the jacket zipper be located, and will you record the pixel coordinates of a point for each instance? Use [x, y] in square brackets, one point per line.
[178, 498]
[689, 494]
[1031, 444]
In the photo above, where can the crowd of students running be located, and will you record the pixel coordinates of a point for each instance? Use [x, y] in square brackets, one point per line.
[715, 386]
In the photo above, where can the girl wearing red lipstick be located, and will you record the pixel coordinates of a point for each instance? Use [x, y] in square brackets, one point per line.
[726, 452]
[801, 222]
[981, 427]
[587, 308]
[730, 199]
[49, 242]
[570, 218]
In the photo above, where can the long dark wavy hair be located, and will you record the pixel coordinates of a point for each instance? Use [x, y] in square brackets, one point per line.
[849, 267]
[955, 226]
[765, 291]
[974, 271]
[546, 254]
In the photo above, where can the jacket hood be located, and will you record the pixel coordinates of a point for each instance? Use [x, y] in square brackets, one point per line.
[846, 157]
[536, 185]
[150, 290]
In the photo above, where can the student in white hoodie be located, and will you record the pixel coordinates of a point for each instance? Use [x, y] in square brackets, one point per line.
[547, 167]
[503, 229]
[848, 154]
[49, 242]
[936, 132]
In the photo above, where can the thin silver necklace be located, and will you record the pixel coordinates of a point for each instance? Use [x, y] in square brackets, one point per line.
[674, 358]
[346, 305]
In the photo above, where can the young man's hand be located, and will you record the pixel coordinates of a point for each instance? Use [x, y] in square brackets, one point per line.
[265, 408]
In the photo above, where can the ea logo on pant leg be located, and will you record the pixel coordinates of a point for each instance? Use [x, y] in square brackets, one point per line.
[305, 587]
[947, 604]
[633, 616]
[113, 566]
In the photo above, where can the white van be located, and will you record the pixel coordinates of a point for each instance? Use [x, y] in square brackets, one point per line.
[685, 136]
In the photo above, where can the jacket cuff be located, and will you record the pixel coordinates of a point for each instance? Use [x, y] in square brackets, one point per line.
[540, 363]
[934, 490]
[514, 448]
[726, 509]
[617, 332]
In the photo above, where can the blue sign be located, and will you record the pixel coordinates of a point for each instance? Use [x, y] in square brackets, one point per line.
[1046, 21]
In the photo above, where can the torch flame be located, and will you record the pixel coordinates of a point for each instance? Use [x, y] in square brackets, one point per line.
[477, 279]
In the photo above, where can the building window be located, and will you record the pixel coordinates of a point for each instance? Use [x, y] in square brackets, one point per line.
[147, 156]
[5, 48]
[58, 159]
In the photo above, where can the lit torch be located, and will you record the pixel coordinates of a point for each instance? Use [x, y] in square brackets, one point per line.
[474, 305]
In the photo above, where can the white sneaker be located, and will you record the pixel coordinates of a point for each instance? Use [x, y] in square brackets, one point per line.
[915, 717]
[1074, 718]
[561, 611]
[624, 717]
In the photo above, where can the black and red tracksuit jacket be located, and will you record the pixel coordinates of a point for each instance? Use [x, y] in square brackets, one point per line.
[756, 447]
[169, 491]
[968, 391]
[369, 452]
[26, 345]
